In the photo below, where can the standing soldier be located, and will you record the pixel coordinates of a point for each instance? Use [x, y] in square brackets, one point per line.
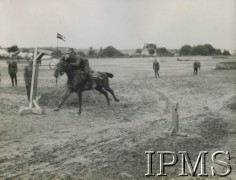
[156, 67]
[28, 77]
[195, 67]
[12, 70]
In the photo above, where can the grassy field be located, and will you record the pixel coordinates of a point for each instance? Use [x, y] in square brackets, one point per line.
[109, 142]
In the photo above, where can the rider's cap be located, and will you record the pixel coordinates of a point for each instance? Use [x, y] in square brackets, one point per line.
[70, 51]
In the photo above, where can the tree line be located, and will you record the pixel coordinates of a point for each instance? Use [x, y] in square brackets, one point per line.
[204, 50]
[186, 50]
[109, 51]
[151, 48]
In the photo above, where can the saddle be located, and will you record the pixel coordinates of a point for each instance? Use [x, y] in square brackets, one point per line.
[92, 81]
[85, 76]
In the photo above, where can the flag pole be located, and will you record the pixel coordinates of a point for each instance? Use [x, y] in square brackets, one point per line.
[57, 58]
[57, 48]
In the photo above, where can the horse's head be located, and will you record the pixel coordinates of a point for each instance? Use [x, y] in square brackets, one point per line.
[61, 67]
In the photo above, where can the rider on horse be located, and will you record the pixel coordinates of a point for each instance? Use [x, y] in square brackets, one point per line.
[80, 63]
[79, 78]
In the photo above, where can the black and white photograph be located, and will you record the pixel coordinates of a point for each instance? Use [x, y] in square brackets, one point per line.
[118, 89]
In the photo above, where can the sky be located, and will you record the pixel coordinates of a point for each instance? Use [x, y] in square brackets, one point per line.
[124, 24]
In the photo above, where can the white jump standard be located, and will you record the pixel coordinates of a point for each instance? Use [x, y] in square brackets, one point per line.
[34, 108]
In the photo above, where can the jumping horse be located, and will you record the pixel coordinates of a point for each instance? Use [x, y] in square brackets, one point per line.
[78, 82]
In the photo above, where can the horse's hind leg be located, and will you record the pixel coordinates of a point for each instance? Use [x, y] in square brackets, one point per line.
[99, 89]
[112, 93]
[64, 97]
[107, 88]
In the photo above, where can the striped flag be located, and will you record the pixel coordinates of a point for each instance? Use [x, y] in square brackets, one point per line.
[59, 36]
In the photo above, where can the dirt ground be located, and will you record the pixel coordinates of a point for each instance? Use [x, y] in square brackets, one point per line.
[110, 142]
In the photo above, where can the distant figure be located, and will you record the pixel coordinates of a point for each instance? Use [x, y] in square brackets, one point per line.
[199, 65]
[12, 70]
[195, 67]
[39, 61]
[28, 77]
[156, 68]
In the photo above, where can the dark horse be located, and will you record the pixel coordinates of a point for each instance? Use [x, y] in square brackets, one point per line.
[78, 82]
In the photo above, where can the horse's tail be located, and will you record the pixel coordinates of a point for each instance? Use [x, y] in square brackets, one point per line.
[110, 75]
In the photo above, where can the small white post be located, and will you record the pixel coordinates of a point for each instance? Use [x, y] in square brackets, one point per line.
[175, 117]
[175, 121]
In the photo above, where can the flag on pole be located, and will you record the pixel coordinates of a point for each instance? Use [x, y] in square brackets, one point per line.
[59, 36]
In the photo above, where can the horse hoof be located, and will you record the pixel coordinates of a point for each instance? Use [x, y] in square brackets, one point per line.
[56, 109]
[77, 114]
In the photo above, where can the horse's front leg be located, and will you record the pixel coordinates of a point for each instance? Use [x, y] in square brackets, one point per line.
[80, 101]
[64, 97]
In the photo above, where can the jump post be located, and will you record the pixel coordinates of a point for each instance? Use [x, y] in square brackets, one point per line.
[175, 122]
[34, 108]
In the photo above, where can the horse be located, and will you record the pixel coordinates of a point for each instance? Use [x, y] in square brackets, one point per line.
[77, 81]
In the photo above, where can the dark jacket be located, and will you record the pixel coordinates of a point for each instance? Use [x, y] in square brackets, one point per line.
[80, 62]
[195, 65]
[156, 66]
[12, 67]
[28, 74]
